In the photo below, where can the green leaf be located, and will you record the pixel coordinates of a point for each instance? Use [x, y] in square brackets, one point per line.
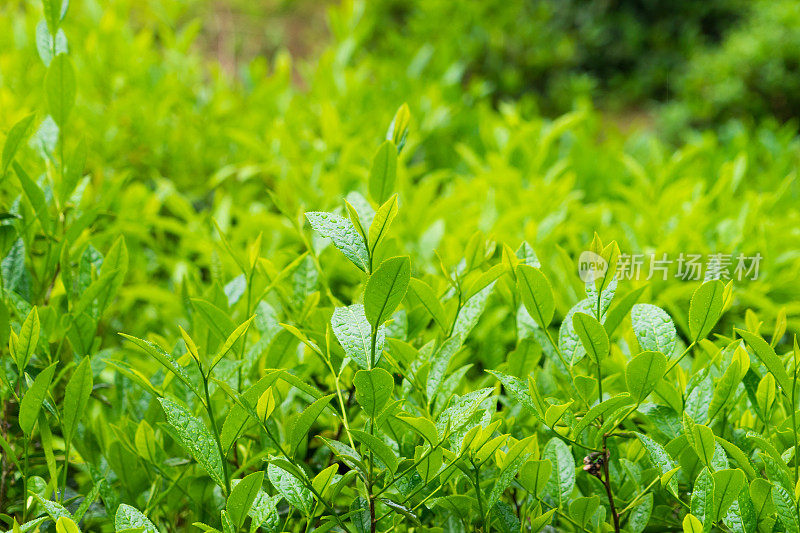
[381, 450]
[76, 395]
[384, 172]
[227, 523]
[724, 390]
[601, 409]
[640, 514]
[354, 333]
[767, 355]
[705, 309]
[380, 224]
[166, 360]
[617, 313]
[562, 479]
[786, 508]
[727, 486]
[430, 302]
[385, 289]
[704, 444]
[398, 128]
[741, 516]
[53, 509]
[36, 197]
[232, 340]
[533, 476]
[34, 398]
[692, 524]
[581, 509]
[592, 335]
[66, 525]
[537, 294]
[424, 427]
[403, 510]
[54, 11]
[301, 425]
[373, 390]
[218, 321]
[738, 455]
[27, 340]
[654, 329]
[702, 503]
[760, 491]
[343, 234]
[518, 453]
[555, 412]
[16, 136]
[643, 374]
[660, 459]
[195, 438]
[130, 518]
[59, 85]
[242, 497]
[518, 391]
[291, 488]
[542, 520]
[440, 361]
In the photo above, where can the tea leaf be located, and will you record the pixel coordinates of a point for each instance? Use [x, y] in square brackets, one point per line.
[354, 333]
[430, 302]
[562, 479]
[786, 508]
[381, 450]
[373, 390]
[344, 236]
[705, 309]
[703, 499]
[537, 295]
[534, 476]
[660, 459]
[28, 338]
[242, 497]
[195, 438]
[385, 289]
[592, 335]
[643, 374]
[16, 136]
[302, 424]
[129, 518]
[290, 488]
[384, 172]
[34, 398]
[767, 356]
[654, 329]
[76, 396]
[727, 486]
[380, 224]
[60, 88]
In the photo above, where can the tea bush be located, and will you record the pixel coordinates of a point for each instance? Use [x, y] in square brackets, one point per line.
[235, 303]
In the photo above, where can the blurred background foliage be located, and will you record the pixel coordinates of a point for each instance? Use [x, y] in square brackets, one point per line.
[669, 126]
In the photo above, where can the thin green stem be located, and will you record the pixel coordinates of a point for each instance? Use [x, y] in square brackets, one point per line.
[681, 356]
[25, 482]
[639, 497]
[222, 455]
[66, 467]
[477, 484]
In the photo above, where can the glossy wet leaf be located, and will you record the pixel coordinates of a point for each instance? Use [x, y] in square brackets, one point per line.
[385, 289]
[195, 438]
